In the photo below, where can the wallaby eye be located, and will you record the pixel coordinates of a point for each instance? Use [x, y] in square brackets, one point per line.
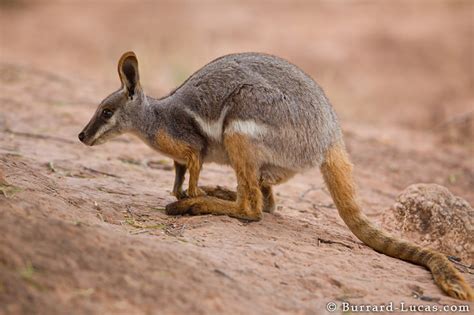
[107, 113]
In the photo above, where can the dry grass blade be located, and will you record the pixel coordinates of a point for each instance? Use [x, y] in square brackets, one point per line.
[9, 190]
[100, 172]
[140, 225]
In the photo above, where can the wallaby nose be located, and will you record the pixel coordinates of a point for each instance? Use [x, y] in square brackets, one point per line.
[81, 136]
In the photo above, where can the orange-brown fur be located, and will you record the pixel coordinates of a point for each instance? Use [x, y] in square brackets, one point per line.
[337, 172]
[220, 192]
[227, 194]
[249, 202]
[181, 151]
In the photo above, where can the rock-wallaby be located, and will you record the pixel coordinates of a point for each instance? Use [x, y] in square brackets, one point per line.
[268, 120]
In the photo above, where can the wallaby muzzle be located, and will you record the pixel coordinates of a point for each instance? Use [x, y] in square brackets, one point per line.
[88, 134]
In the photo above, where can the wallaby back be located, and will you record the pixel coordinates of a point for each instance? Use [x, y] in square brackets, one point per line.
[269, 99]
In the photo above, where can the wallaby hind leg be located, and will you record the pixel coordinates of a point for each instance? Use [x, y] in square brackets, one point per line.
[268, 198]
[249, 202]
[230, 195]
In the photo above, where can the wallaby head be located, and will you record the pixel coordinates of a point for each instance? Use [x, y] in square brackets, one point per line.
[114, 114]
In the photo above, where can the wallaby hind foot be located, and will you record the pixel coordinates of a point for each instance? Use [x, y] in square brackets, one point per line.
[230, 195]
[212, 205]
[220, 192]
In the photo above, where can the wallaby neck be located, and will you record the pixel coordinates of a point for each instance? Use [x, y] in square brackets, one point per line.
[150, 117]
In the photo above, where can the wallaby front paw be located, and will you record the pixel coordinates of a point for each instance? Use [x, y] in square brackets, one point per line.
[179, 194]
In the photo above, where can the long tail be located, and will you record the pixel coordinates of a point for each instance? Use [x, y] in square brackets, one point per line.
[337, 172]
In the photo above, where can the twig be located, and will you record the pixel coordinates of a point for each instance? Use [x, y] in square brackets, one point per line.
[465, 268]
[426, 298]
[324, 241]
[222, 273]
[139, 232]
[329, 206]
[303, 194]
[114, 192]
[99, 172]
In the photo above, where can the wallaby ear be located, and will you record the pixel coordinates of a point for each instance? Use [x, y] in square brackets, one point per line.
[128, 72]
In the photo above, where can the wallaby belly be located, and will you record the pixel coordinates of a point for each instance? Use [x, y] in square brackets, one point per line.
[216, 153]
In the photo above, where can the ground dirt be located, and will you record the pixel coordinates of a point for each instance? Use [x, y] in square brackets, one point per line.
[83, 229]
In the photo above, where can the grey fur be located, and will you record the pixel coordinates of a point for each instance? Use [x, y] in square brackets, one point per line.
[300, 122]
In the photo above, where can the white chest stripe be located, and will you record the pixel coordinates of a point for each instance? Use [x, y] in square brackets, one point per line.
[246, 127]
[213, 129]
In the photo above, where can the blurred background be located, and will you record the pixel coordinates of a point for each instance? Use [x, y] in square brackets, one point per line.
[403, 63]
